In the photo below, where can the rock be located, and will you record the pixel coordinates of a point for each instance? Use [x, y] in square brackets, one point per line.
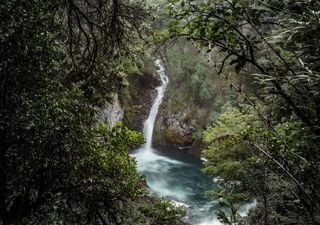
[111, 112]
[139, 101]
[176, 130]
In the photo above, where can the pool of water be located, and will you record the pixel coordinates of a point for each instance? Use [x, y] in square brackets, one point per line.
[176, 175]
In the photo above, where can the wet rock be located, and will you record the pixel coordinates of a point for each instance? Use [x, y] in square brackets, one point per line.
[176, 129]
[139, 99]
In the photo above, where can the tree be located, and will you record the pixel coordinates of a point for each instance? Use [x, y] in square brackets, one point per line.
[243, 151]
[275, 43]
[242, 30]
[58, 164]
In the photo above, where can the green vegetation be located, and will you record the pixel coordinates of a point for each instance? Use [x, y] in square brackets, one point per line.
[267, 146]
[194, 89]
[58, 164]
[62, 60]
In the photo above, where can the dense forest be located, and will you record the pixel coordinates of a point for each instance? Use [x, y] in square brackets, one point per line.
[244, 94]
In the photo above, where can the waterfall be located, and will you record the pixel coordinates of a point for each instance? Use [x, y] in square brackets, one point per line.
[149, 123]
[175, 174]
[171, 177]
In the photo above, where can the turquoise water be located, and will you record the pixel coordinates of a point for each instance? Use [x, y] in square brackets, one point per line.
[176, 175]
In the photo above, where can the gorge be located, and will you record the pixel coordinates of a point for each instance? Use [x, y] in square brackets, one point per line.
[174, 173]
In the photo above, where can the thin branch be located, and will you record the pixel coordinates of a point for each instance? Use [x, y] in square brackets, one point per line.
[264, 118]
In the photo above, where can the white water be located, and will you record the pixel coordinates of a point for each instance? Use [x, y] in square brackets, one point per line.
[174, 174]
[149, 123]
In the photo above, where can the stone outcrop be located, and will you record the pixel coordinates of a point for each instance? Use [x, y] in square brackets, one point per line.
[111, 112]
[133, 104]
[139, 99]
[175, 129]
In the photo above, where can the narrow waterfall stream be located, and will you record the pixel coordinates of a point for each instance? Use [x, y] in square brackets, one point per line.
[149, 123]
[173, 173]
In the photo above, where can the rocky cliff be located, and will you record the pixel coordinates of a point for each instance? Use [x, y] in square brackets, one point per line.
[111, 112]
[175, 129]
[138, 97]
[133, 103]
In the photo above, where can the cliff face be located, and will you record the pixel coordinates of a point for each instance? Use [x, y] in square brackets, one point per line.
[138, 98]
[188, 101]
[111, 112]
[133, 104]
[175, 129]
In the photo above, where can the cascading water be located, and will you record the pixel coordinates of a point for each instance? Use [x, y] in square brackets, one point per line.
[149, 123]
[173, 173]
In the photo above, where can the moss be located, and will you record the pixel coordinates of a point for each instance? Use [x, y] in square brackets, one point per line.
[190, 115]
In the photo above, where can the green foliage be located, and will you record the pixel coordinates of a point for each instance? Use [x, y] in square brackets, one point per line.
[194, 87]
[231, 204]
[229, 154]
[201, 82]
[247, 154]
[274, 44]
[271, 46]
[162, 212]
[58, 164]
[191, 74]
